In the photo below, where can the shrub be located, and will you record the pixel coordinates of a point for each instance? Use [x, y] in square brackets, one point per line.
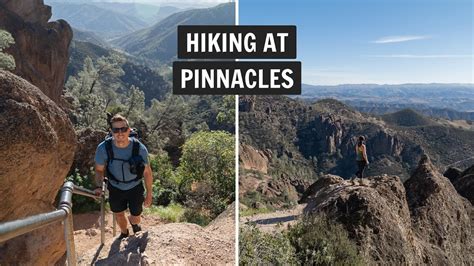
[319, 241]
[258, 248]
[196, 217]
[165, 186]
[207, 164]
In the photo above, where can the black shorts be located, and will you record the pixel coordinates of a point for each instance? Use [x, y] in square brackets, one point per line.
[132, 199]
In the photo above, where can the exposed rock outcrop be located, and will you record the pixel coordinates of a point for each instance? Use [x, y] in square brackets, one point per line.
[252, 159]
[87, 141]
[41, 47]
[423, 221]
[36, 153]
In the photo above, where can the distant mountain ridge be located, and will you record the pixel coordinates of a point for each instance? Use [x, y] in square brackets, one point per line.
[452, 101]
[90, 17]
[159, 42]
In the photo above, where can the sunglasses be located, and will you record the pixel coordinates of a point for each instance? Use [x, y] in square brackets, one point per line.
[119, 129]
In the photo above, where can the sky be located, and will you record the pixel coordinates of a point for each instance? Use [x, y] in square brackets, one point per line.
[374, 41]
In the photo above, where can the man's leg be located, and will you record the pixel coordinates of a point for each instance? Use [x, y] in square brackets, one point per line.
[122, 221]
[135, 219]
[135, 205]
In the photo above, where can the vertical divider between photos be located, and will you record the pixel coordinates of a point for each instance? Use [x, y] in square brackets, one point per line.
[237, 200]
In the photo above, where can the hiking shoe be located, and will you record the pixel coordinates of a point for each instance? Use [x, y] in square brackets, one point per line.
[136, 228]
[123, 235]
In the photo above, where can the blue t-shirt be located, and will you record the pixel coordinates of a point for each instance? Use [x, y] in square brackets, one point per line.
[120, 169]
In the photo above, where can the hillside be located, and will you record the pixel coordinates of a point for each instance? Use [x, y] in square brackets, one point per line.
[147, 79]
[407, 118]
[88, 36]
[302, 141]
[159, 41]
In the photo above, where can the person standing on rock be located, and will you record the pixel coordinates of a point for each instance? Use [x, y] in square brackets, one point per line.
[124, 161]
[362, 161]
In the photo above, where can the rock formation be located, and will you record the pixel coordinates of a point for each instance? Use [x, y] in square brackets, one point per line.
[41, 47]
[87, 141]
[423, 221]
[37, 151]
[253, 159]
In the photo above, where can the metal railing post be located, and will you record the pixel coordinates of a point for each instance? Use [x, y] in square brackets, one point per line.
[65, 203]
[102, 214]
[114, 224]
[102, 220]
[70, 245]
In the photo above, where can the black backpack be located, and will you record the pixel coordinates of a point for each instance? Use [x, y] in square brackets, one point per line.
[136, 162]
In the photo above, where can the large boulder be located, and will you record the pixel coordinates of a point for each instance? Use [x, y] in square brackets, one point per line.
[424, 221]
[37, 150]
[41, 47]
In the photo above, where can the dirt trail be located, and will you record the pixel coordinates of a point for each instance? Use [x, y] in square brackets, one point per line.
[270, 222]
[159, 243]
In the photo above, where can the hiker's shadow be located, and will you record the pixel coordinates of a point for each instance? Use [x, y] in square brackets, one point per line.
[127, 251]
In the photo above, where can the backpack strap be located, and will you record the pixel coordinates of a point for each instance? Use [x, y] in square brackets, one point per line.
[109, 149]
[136, 147]
[110, 157]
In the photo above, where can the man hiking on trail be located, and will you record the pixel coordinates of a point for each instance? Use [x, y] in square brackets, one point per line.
[124, 161]
[361, 154]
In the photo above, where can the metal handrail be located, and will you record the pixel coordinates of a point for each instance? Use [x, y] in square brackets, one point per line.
[11, 229]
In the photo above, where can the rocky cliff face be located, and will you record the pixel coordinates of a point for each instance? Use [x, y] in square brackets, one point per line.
[41, 47]
[424, 221]
[252, 159]
[36, 153]
[463, 181]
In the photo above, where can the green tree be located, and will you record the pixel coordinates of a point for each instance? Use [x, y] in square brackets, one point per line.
[135, 104]
[95, 89]
[7, 62]
[226, 113]
[208, 160]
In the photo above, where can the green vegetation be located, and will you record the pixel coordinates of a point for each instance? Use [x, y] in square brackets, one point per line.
[172, 213]
[7, 62]
[207, 171]
[320, 241]
[314, 240]
[258, 248]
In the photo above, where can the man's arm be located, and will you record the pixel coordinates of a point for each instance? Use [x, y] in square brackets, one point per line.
[148, 185]
[99, 178]
[365, 154]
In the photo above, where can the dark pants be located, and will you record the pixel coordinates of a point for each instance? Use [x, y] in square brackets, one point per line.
[361, 168]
